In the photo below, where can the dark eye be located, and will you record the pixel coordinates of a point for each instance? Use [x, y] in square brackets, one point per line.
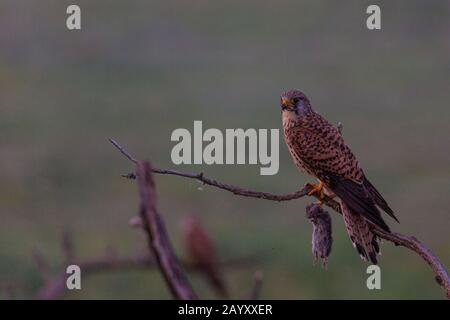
[296, 100]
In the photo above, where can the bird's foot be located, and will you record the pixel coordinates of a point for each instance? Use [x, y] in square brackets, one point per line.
[317, 188]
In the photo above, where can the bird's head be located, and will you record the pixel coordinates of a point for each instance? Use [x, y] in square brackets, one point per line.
[294, 101]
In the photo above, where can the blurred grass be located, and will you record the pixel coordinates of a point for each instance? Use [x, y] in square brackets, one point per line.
[140, 69]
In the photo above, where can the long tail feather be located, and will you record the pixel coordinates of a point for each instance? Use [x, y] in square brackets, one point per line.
[360, 234]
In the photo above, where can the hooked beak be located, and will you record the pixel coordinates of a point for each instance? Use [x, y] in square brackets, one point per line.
[286, 103]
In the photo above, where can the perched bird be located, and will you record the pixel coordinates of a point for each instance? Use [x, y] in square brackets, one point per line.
[321, 237]
[202, 253]
[318, 149]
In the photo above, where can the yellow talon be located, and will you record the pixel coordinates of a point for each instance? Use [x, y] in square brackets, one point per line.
[317, 188]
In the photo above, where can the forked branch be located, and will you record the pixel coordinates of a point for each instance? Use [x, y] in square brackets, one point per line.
[441, 274]
[158, 238]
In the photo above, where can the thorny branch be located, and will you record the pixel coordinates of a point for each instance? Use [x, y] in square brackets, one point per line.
[441, 274]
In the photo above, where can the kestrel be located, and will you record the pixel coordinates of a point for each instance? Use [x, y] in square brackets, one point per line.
[318, 149]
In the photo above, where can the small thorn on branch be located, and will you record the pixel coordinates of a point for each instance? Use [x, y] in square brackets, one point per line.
[135, 222]
[131, 176]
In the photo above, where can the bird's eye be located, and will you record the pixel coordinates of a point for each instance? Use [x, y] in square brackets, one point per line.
[296, 100]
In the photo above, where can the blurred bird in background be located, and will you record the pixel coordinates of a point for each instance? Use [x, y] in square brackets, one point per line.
[202, 253]
[318, 149]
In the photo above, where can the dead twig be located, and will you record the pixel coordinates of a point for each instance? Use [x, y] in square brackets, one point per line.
[410, 242]
[224, 186]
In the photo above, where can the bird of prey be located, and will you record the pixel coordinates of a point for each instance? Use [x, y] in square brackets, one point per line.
[318, 149]
[202, 253]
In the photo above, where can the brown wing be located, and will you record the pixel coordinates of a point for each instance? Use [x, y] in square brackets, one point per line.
[323, 149]
[325, 154]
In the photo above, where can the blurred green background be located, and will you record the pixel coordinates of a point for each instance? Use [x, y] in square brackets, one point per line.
[140, 69]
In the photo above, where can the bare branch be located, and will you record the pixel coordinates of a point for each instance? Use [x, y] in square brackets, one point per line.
[124, 152]
[55, 286]
[410, 242]
[158, 237]
[224, 186]
[442, 276]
